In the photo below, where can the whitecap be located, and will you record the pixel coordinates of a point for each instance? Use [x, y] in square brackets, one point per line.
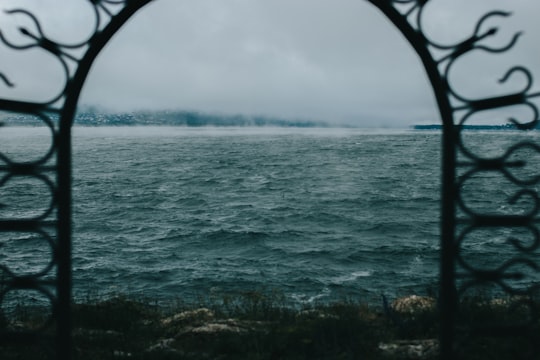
[351, 277]
[309, 299]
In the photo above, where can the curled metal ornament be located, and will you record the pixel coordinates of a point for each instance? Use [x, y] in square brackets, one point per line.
[33, 275]
[40, 160]
[459, 215]
[28, 285]
[446, 56]
[45, 210]
[49, 214]
[499, 276]
[67, 55]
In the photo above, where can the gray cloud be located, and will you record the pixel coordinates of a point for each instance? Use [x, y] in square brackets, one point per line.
[334, 60]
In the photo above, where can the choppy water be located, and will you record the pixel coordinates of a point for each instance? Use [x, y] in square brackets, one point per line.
[318, 214]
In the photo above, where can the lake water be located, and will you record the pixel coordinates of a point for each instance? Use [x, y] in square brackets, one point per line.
[314, 214]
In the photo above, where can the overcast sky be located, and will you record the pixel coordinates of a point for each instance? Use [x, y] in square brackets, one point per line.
[330, 60]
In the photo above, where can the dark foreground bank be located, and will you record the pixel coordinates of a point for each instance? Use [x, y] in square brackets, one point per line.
[256, 326]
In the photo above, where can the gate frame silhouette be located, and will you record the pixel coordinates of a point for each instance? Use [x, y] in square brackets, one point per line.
[455, 110]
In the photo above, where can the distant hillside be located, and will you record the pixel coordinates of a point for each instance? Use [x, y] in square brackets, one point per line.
[186, 118]
[165, 118]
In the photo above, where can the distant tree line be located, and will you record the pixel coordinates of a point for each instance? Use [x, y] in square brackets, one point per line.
[90, 116]
[185, 118]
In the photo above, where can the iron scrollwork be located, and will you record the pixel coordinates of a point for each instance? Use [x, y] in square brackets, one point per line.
[463, 166]
[465, 218]
[45, 218]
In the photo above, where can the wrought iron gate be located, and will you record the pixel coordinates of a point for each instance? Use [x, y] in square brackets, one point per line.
[461, 166]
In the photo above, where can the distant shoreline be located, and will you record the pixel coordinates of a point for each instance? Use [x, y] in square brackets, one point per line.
[168, 118]
[469, 127]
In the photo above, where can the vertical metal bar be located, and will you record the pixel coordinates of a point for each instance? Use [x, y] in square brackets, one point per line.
[64, 192]
[64, 275]
[447, 293]
[64, 346]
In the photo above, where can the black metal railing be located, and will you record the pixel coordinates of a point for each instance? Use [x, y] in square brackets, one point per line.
[46, 216]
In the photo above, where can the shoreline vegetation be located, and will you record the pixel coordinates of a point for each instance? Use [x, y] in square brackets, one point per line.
[254, 325]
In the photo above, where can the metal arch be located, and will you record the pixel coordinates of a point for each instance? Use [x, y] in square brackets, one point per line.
[456, 274]
[414, 35]
[458, 220]
[54, 168]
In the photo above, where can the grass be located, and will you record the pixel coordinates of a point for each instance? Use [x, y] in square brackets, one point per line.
[256, 326]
